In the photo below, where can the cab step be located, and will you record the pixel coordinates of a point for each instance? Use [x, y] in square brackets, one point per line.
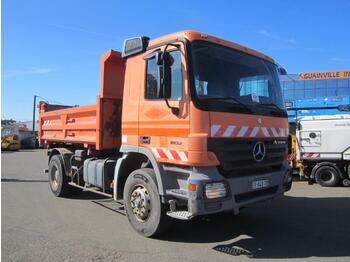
[180, 214]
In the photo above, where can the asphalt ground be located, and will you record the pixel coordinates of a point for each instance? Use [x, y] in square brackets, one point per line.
[310, 223]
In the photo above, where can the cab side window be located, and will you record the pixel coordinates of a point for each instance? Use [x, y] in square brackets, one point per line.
[152, 90]
[152, 79]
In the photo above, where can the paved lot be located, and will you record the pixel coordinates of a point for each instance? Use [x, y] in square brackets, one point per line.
[310, 223]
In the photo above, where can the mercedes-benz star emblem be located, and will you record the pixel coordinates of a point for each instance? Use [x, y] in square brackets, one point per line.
[259, 151]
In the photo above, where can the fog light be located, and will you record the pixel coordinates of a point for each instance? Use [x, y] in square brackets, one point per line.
[215, 190]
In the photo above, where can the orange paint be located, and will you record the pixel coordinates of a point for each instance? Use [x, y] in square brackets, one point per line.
[122, 110]
[96, 125]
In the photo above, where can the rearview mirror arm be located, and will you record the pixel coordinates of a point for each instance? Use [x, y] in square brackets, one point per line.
[174, 110]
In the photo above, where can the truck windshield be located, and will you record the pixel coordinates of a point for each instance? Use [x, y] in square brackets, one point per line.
[228, 80]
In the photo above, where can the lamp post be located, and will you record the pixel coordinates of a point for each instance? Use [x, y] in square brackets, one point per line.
[34, 107]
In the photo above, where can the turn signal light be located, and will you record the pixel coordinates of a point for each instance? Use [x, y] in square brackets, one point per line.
[192, 187]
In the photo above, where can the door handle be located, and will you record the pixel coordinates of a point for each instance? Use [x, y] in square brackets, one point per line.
[145, 140]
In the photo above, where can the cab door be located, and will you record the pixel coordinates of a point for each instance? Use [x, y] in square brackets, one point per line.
[161, 131]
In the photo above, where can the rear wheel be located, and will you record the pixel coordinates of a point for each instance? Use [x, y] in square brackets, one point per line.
[143, 207]
[327, 176]
[57, 179]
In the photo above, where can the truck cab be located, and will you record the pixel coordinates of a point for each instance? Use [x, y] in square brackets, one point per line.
[185, 125]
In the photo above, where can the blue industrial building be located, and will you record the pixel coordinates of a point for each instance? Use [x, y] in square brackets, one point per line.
[319, 89]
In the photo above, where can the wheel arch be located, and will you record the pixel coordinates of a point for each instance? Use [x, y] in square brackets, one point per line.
[325, 163]
[132, 160]
[65, 155]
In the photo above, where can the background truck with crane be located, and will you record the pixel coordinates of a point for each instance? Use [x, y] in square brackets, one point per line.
[187, 124]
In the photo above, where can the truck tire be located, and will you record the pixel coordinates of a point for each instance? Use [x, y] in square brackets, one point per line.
[327, 176]
[57, 179]
[145, 212]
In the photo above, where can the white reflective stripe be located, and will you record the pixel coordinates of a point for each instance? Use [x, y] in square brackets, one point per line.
[287, 131]
[124, 138]
[274, 132]
[266, 133]
[254, 132]
[214, 129]
[168, 154]
[155, 152]
[182, 155]
[242, 131]
[229, 131]
[311, 155]
[282, 132]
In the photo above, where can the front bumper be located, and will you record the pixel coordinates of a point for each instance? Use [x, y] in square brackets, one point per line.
[240, 192]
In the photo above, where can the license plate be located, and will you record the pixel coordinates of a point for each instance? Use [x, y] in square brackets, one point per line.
[258, 184]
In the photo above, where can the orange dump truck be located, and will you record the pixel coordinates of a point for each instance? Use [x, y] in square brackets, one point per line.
[185, 125]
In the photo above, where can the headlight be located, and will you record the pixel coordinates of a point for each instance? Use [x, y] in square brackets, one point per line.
[215, 190]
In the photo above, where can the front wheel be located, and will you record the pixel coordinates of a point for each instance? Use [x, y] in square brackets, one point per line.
[327, 176]
[146, 213]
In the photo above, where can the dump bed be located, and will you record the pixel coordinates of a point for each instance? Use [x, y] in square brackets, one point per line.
[95, 126]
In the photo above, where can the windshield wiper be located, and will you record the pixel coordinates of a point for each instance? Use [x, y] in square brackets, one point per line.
[274, 106]
[228, 98]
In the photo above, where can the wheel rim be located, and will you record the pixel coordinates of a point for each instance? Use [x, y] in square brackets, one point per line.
[140, 203]
[54, 177]
[326, 175]
[346, 182]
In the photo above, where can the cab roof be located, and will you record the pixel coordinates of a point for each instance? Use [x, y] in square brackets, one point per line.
[194, 35]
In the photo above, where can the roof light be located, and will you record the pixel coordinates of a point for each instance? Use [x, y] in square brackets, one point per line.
[135, 45]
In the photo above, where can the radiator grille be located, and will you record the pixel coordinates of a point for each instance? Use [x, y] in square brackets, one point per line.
[236, 156]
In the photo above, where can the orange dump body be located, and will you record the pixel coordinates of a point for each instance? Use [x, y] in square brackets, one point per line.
[95, 126]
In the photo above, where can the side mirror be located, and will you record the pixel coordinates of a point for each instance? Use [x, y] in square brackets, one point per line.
[164, 62]
[166, 81]
[344, 107]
